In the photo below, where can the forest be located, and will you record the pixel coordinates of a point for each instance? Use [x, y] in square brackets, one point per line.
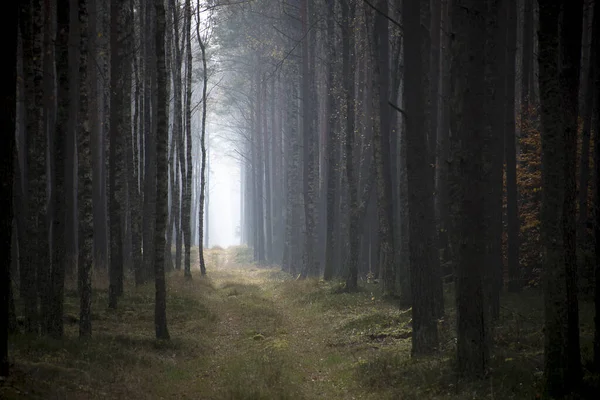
[300, 199]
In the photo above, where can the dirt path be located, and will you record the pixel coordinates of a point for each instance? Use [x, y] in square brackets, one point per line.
[267, 345]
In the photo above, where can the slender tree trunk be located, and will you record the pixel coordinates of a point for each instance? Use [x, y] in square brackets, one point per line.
[135, 173]
[584, 163]
[116, 172]
[187, 200]
[84, 171]
[203, 150]
[267, 149]
[55, 317]
[348, 71]
[35, 166]
[8, 99]
[495, 103]
[469, 27]
[510, 146]
[420, 187]
[149, 157]
[331, 161]
[310, 267]
[559, 78]
[570, 63]
[596, 63]
[162, 145]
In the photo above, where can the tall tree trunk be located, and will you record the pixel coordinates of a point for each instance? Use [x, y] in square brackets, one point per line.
[469, 27]
[149, 154]
[595, 56]
[570, 64]
[348, 71]
[596, 82]
[310, 267]
[332, 146]
[495, 103]
[116, 172]
[510, 146]
[527, 62]
[203, 149]
[558, 79]
[8, 99]
[420, 186]
[267, 152]
[187, 200]
[584, 163]
[55, 317]
[381, 145]
[162, 146]
[35, 166]
[84, 172]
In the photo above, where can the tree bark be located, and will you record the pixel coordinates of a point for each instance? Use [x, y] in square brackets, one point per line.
[422, 251]
[55, 317]
[381, 142]
[558, 80]
[510, 148]
[187, 200]
[331, 161]
[115, 173]
[468, 71]
[35, 165]
[84, 172]
[8, 99]
[162, 145]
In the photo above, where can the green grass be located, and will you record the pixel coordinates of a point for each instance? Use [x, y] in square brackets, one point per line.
[246, 332]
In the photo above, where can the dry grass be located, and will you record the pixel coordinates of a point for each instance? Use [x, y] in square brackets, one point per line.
[246, 332]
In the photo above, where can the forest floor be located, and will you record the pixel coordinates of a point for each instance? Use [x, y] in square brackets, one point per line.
[248, 332]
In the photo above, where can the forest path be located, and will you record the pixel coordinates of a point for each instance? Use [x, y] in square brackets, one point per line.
[241, 332]
[269, 342]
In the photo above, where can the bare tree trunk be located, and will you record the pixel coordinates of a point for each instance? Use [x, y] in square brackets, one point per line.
[331, 160]
[115, 173]
[470, 20]
[423, 253]
[35, 166]
[162, 145]
[510, 146]
[187, 199]
[56, 298]
[559, 83]
[8, 99]
[202, 147]
[84, 171]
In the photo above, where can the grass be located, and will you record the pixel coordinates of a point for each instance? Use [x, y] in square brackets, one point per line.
[245, 332]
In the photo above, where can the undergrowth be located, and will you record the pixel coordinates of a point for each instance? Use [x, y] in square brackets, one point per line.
[249, 332]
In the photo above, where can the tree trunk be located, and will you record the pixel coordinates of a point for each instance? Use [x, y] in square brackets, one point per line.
[115, 173]
[331, 161]
[310, 267]
[558, 87]
[149, 154]
[84, 172]
[8, 97]
[420, 186]
[348, 72]
[381, 146]
[203, 151]
[35, 166]
[55, 317]
[187, 200]
[596, 82]
[510, 148]
[469, 27]
[570, 64]
[162, 146]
